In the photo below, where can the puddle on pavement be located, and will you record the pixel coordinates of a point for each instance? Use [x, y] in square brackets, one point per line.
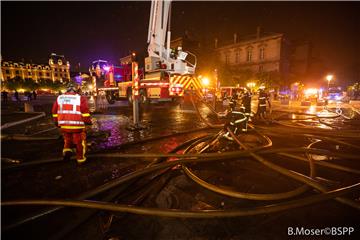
[158, 122]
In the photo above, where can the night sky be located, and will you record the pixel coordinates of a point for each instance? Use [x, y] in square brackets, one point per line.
[87, 31]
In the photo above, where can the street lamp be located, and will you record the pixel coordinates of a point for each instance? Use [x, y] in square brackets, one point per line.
[251, 85]
[329, 77]
[205, 81]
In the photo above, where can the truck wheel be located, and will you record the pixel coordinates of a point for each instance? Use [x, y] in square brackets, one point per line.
[176, 100]
[129, 97]
[143, 98]
[110, 98]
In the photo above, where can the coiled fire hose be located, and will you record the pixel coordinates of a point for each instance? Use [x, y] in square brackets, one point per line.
[187, 158]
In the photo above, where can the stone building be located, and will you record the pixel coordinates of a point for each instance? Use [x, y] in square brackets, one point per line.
[57, 69]
[254, 56]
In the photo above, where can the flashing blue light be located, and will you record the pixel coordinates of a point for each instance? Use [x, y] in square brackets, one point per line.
[117, 76]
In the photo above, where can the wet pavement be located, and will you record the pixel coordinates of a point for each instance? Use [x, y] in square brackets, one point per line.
[110, 133]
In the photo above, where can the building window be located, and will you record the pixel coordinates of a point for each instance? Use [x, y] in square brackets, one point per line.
[40, 73]
[8, 77]
[29, 73]
[237, 57]
[261, 68]
[226, 58]
[262, 53]
[56, 74]
[48, 74]
[17, 72]
[249, 55]
[7, 71]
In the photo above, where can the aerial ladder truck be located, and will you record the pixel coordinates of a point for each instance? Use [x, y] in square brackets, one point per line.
[167, 71]
[164, 67]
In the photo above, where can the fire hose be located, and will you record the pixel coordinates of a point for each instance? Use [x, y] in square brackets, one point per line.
[188, 158]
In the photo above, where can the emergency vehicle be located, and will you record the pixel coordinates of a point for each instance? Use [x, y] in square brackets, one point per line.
[107, 77]
[228, 91]
[167, 74]
[116, 82]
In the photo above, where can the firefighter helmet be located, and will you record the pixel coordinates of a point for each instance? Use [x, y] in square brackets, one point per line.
[232, 104]
[71, 87]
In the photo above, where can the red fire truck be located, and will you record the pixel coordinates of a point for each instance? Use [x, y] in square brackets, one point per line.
[116, 82]
[168, 72]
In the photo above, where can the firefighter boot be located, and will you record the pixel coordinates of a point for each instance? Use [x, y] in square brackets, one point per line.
[67, 155]
[81, 161]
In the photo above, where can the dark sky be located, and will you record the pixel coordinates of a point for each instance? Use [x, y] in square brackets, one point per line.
[86, 31]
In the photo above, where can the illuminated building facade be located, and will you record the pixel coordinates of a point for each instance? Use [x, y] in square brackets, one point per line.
[255, 54]
[57, 69]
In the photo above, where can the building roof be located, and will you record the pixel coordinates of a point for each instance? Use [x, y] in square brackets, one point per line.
[56, 57]
[248, 39]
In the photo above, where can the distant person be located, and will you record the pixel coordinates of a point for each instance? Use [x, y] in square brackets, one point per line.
[16, 95]
[34, 94]
[5, 96]
[29, 96]
[102, 102]
[263, 98]
[71, 113]
[235, 121]
[246, 105]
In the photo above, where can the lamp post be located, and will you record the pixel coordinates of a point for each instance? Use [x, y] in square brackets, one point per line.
[251, 85]
[329, 77]
[205, 82]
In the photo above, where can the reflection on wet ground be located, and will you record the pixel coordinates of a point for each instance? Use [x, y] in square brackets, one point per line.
[110, 129]
[158, 121]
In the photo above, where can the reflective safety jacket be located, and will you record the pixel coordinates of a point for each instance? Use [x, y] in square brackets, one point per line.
[71, 111]
[263, 97]
[235, 117]
[246, 102]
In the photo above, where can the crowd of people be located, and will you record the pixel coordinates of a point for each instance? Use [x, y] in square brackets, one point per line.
[239, 111]
[30, 95]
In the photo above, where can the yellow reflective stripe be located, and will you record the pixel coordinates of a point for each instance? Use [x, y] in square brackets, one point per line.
[86, 114]
[84, 150]
[67, 150]
[55, 115]
[81, 160]
[72, 127]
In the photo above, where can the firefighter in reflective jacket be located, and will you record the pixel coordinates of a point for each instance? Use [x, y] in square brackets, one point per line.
[236, 120]
[246, 105]
[71, 114]
[263, 98]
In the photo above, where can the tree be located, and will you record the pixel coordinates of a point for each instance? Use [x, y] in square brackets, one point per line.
[269, 79]
[45, 83]
[52, 85]
[29, 84]
[243, 76]
[14, 83]
[226, 76]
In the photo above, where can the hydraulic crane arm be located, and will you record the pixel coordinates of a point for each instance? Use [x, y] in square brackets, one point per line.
[158, 34]
[158, 26]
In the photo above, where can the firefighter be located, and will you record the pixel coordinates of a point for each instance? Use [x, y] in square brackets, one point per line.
[71, 114]
[246, 106]
[263, 98]
[236, 120]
